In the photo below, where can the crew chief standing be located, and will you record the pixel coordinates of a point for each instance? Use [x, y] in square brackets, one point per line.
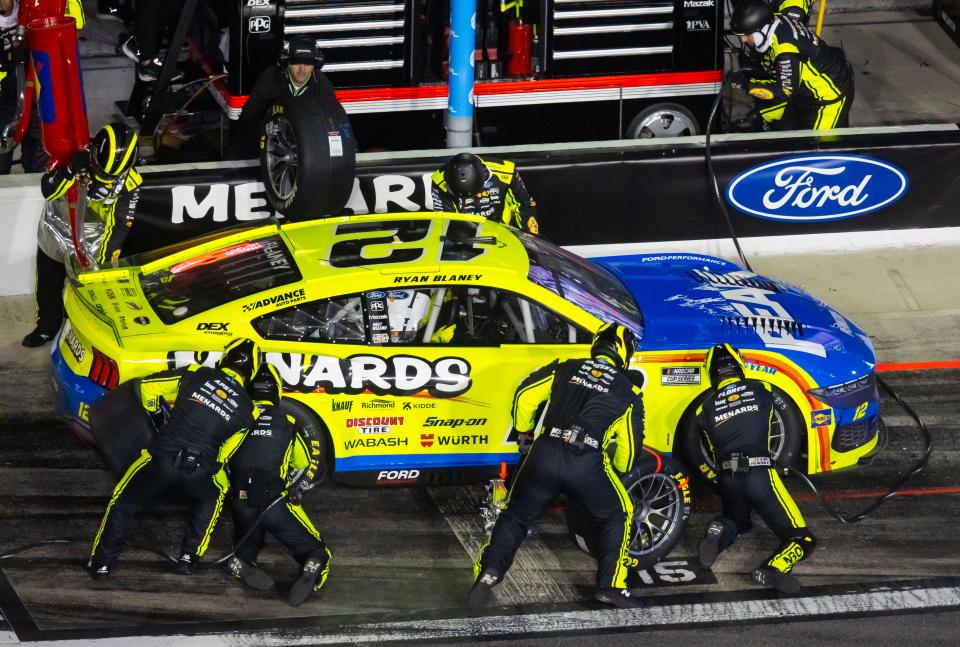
[590, 403]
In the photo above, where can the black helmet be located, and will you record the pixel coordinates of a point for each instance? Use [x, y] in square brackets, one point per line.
[614, 342]
[750, 16]
[465, 174]
[724, 362]
[113, 150]
[241, 357]
[265, 385]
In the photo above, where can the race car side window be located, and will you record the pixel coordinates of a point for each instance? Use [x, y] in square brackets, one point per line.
[336, 320]
[460, 315]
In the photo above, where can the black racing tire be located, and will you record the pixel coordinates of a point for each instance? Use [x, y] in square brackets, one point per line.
[307, 157]
[314, 427]
[660, 491]
[662, 120]
[786, 434]
[121, 427]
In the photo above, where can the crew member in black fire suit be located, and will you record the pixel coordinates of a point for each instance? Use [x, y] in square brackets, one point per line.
[736, 416]
[590, 403]
[260, 472]
[803, 82]
[299, 77]
[212, 414]
[488, 187]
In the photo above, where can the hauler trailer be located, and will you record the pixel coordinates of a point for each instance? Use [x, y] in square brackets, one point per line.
[549, 70]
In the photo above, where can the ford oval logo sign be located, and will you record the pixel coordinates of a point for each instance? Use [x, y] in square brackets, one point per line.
[817, 188]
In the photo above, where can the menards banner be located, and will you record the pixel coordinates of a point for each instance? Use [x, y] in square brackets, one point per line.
[885, 179]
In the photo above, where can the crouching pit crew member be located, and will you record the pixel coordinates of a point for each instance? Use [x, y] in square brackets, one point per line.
[259, 473]
[488, 187]
[736, 417]
[211, 415]
[590, 402]
[802, 83]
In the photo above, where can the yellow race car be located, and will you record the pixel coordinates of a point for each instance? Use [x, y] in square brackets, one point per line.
[403, 337]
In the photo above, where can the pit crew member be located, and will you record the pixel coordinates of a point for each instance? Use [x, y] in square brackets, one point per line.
[590, 402]
[106, 170]
[260, 472]
[803, 82]
[488, 187]
[300, 77]
[736, 416]
[210, 418]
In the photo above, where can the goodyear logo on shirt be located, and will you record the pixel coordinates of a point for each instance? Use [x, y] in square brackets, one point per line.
[821, 417]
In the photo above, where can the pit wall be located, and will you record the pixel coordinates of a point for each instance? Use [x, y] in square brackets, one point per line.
[867, 188]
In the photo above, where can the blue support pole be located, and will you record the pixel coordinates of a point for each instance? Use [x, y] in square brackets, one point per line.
[463, 28]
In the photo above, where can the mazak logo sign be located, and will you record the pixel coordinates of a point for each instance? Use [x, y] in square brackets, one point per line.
[817, 188]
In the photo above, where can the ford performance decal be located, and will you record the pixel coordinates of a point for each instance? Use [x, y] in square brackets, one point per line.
[817, 188]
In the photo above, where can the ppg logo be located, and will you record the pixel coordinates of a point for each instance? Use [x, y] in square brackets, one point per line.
[259, 24]
[817, 188]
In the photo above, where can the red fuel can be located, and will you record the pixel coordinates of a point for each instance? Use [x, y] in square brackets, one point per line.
[56, 61]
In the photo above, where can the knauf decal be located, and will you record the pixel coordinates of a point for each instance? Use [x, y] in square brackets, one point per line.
[816, 188]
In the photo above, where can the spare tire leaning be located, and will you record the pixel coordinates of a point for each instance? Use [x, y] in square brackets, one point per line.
[120, 425]
[307, 157]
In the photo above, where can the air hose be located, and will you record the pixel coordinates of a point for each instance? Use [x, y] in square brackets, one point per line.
[928, 439]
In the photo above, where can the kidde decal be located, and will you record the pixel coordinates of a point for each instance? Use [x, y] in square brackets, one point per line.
[397, 375]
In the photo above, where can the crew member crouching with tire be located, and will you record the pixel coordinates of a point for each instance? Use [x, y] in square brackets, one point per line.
[736, 416]
[265, 502]
[211, 415]
[590, 402]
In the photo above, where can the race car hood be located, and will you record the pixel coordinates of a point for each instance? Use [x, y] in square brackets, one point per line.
[696, 302]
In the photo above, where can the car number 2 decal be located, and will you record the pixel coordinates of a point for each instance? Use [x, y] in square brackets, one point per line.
[402, 241]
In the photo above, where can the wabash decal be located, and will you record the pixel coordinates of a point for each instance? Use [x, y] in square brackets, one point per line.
[445, 377]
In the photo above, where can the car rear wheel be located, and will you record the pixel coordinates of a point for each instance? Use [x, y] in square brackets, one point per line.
[307, 157]
[786, 433]
[315, 429]
[660, 492]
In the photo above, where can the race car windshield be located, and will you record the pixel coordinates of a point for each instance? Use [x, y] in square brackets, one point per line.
[582, 283]
[210, 279]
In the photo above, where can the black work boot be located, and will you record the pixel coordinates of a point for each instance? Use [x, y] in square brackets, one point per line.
[482, 590]
[709, 546]
[97, 570]
[313, 575]
[783, 582]
[188, 564]
[621, 598]
[250, 574]
[38, 337]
